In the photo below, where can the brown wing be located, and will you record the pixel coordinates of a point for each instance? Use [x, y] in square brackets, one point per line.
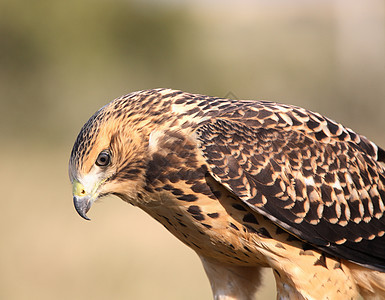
[330, 194]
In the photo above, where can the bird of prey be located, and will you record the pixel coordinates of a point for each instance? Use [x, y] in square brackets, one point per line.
[246, 185]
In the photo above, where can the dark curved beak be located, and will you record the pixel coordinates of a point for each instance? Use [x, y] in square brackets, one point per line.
[82, 205]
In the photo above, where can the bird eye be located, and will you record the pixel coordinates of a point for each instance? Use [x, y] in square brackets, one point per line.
[103, 159]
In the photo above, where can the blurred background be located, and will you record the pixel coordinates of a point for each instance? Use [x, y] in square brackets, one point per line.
[62, 60]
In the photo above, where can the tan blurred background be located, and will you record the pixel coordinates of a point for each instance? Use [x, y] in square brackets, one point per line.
[62, 60]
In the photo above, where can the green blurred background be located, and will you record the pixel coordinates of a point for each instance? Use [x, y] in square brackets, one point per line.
[62, 60]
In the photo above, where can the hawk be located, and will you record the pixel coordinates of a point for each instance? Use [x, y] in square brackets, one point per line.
[246, 185]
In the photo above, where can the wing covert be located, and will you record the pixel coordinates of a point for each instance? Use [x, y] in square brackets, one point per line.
[330, 194]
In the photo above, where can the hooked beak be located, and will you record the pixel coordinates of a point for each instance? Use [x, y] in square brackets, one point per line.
[82, 206]
[82, 200]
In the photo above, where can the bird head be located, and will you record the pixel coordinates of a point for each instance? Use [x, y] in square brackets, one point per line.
[108, 157]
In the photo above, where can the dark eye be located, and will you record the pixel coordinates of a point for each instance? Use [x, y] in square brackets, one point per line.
[103, 159]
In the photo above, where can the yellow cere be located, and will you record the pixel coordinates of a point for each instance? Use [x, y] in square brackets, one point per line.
[78, 189]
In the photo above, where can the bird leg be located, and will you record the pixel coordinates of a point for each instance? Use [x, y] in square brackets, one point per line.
[231, 281]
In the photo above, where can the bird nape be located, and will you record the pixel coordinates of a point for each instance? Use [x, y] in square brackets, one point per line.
[247, 185]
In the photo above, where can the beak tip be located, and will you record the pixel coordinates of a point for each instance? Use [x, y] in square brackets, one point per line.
[85, 217]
